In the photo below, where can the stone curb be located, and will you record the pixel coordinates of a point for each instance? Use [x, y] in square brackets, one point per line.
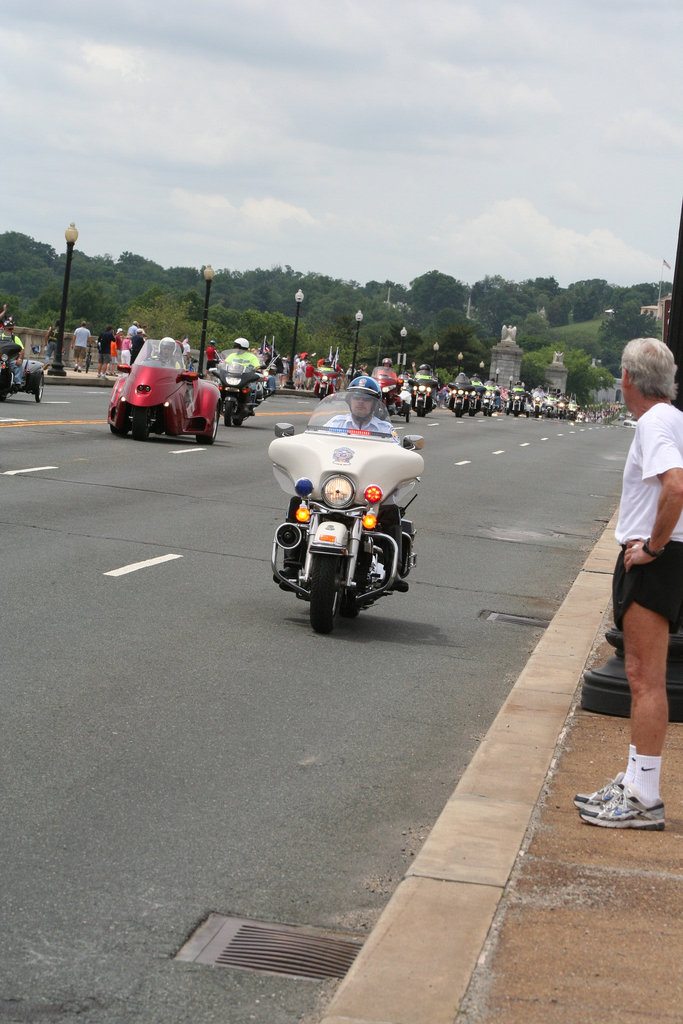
[416, 965]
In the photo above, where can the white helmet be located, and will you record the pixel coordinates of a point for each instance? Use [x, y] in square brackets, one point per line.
[241, 343]
[167, 348]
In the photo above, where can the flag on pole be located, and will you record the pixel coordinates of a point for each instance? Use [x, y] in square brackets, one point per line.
[667, 265]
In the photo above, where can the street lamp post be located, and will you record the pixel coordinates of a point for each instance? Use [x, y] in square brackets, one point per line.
[459, 362]
[435, 346]
[298, 298]
[57, 369]
[359, 319]
[208, 277]
[402, 354]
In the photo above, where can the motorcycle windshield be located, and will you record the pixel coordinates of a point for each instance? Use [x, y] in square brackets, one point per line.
[341, 414]
[236, 369]
[160, 355]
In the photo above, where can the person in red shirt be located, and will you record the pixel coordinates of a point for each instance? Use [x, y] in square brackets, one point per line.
[211, 355]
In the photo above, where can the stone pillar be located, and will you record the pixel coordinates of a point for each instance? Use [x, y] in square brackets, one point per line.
[506, 358]
[556, 374]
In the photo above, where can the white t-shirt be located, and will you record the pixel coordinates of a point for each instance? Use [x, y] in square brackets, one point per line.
[656, 447]
[81, 335]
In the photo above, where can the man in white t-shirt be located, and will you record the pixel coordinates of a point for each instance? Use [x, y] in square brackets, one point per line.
[81, 338]
[647, 589]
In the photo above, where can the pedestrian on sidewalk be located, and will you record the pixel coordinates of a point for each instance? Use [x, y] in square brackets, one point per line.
[647, 589]
[104, 343]
[81, 338]
[51, 339]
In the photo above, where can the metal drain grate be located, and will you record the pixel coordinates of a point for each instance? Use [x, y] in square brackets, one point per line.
[518, 620]
[269, 948]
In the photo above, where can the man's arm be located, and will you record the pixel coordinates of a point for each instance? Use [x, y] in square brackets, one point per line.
[669, 508]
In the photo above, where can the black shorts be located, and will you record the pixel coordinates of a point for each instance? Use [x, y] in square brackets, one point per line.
[657, 586]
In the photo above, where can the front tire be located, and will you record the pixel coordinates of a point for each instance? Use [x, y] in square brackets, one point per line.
[324, 593]
[140, 423]
[38, 393]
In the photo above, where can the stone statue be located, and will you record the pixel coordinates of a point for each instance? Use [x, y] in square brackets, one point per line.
[558, 357]
[508, 335]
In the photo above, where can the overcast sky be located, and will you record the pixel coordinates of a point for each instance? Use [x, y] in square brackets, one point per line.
[364, 139]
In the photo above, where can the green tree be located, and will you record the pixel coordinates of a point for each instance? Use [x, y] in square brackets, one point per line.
[433, 292]
[558, 310]
[616, 330]
[589, 299]
[497, 302]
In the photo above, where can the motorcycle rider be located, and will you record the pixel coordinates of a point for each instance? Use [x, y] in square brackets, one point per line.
[239, 353]
[8, 337]
[170, 353]
[517, 391]
[424, 373]
[364, 397]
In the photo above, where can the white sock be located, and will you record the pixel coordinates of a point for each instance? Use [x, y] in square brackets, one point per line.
[630, 773]
[646, 781]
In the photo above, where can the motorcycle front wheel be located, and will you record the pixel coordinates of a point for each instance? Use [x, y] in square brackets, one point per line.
[324, 602]
[140, 423]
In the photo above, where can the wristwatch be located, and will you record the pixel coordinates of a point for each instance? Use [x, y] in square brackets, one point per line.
[648, 550]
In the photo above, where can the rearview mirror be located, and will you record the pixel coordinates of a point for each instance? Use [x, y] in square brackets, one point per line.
[284, 429]
[414, 442]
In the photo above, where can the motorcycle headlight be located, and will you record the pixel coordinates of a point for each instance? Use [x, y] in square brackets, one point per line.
[386, 389]
[422, 388]
[232, 380]
[338, 491]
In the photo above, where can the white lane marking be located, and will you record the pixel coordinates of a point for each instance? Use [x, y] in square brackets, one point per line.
[184, 451]
[11, 419]
[33, 469]
[465, 462]
[501, 451]
[134, 566]
[544, 439]
[525, 444]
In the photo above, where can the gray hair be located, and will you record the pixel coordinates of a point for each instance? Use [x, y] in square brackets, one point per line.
[651, 367]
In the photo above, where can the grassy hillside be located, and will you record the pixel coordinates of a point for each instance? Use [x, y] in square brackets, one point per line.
[583, 335]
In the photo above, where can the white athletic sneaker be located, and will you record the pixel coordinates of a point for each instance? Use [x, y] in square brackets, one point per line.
[625, 810]
[601, 796]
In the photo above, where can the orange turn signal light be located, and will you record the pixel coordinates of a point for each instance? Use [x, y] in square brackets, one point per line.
[303, 514]
[369, 521]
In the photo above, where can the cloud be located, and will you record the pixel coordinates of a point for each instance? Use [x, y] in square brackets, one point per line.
[513, 238]
[365, 141]
[217, 211]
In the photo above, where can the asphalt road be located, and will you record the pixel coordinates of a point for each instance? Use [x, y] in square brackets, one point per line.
[177, 741]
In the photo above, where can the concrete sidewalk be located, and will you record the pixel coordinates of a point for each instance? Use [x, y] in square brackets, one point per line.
[514, 910]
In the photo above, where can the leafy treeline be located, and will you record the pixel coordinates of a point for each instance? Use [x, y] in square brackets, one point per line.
[434, 309]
